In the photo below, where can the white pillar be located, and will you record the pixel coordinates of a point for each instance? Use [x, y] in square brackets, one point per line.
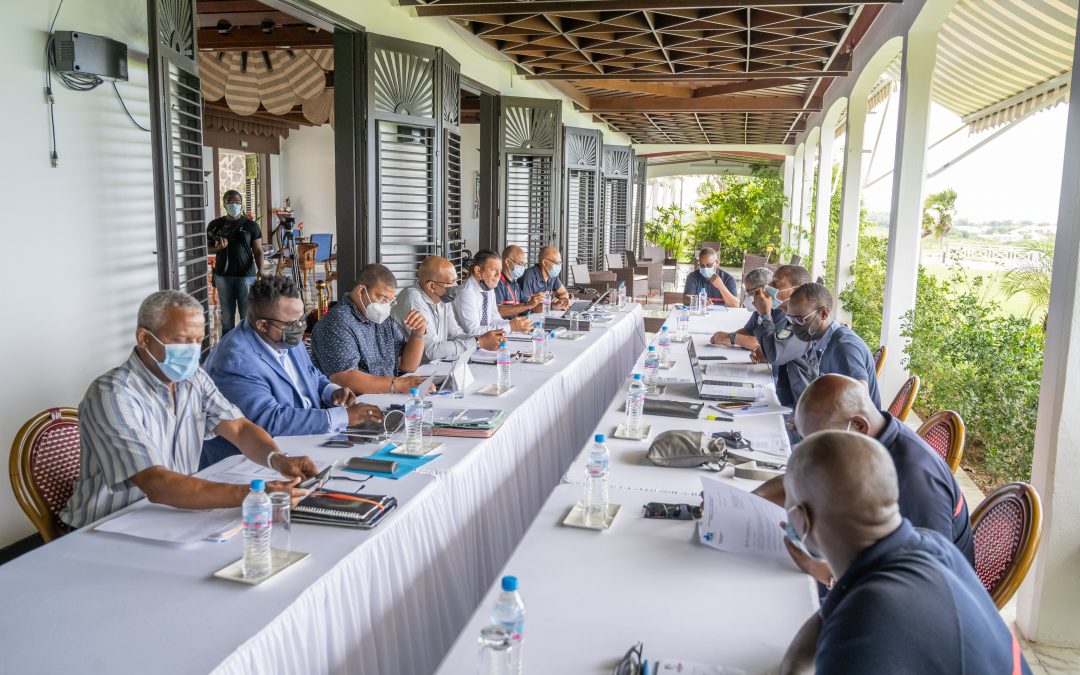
[824, 202]
[805, 215]
[905, 223]
[1049, 602]
[847, 239]
[796, 197]
[785, 212]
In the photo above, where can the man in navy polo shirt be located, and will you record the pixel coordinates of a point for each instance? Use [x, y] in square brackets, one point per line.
[543, 277]
[512, 300]
[905, 599]
[719, 285]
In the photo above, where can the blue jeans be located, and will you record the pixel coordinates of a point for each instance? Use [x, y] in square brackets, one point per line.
[232, 297]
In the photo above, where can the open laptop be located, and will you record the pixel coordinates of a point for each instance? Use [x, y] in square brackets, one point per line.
[584, 305]
[721, 390]
[459, 370]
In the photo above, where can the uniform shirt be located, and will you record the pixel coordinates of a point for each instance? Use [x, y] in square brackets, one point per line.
[344, 339]
[238, 258]
[508, 292]
[790, 354]
[929, 494]
[695, 282]
[840, 350]
[443, 338]
[477, 310]
[533, 282]
[911, 604]
[129, 422]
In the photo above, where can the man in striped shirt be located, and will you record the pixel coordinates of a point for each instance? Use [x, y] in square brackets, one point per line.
[142, 424]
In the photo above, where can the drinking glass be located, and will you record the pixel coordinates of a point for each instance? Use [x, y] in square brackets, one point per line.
[280, 528]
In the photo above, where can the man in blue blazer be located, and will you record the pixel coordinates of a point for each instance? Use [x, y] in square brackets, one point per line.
[264, 369]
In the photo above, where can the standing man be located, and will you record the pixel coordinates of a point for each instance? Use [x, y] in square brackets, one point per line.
[718, 284]
[512, 300]
[236, 240]
[476, 307]
[543, 277]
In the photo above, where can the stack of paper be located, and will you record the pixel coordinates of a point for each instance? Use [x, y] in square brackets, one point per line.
[737, 521]
[157, 522]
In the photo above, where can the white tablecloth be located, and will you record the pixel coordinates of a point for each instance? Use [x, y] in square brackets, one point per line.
[382, 602]
[591, 595]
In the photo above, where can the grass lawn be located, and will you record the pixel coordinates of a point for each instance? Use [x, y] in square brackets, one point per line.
[1015, 306]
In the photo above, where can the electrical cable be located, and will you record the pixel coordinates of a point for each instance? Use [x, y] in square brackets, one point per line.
[126, 112]
[54, 157]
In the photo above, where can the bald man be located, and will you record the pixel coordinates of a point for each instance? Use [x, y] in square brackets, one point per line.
[512, 300]
[929, 494]
[433, 297]
[544, 277]
[905, 600]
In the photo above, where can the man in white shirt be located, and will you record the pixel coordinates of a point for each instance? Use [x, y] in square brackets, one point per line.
[476, 307]
[435, 290]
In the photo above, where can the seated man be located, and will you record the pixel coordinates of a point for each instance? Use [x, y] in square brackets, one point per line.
[718, 284]
[929, 495]
[754, 281]
[435, 290]
[263, 367]
[788, 358]
[543, 277]
[357, 347]
[142, 424]
[512, 300]
[475, 306]
[905, 599]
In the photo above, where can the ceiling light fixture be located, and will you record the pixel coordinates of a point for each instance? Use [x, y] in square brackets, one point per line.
[268, 26]
[224, 27]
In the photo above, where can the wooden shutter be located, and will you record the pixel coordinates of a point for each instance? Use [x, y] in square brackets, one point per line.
[529, 208]
[453, 239]
[177, 138]
[637, 223]
[581, 197]
[618, 161]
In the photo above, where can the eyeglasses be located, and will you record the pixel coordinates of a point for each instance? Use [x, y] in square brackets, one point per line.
[299, 323]
[801, 320]
[445, 284]
[630, 664]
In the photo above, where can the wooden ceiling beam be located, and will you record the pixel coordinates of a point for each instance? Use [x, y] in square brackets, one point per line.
[451, 8]
[251, 38]
[623, 104]
[749, 85]
[643, 88]
[210, 19]
[694, 75]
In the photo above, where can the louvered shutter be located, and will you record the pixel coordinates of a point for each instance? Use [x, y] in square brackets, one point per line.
[581, 196]
[617, 164]
[529, 209]
[637, 224]
[453, 239]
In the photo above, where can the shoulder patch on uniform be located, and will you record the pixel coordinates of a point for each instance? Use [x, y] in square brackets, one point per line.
[783, 334]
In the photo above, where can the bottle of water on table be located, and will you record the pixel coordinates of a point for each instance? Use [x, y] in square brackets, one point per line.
[550, 341]
[547, 304]
[703, 302]
[635, 405]
[663, 345]
[510, 614]
[596, 475]
[503, 361]
[257, 517]
[652, 370]
[414, 422]
[682, 329]
[622, 295]
[539, 340]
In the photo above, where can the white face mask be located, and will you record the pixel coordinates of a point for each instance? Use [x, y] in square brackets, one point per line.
[517, 272]
[377, 312]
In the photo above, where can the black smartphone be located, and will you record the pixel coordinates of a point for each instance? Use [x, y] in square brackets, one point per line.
[369, 464]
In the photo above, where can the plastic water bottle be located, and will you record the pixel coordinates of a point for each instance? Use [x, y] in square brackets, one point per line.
[596, 475]
[652, 370]
[547, 304]
[622, 294]
[510, 614]
[539, 340]
[635, 404]
[414, 421]
[703, 302]
[503, 360]
[682, 330]
[257, 516]
[663, 344]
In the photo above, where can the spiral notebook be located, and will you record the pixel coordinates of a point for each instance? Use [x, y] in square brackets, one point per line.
[343, 508]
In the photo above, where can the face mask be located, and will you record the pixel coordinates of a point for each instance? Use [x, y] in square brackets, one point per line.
[517, 272]
[181, 360]
[555, 269]
[794, 538]
[707, 272]
[233, 210]
[449, 295]
[377, 312]
[291, 336]
[484, 284]
[803, 332]
[748, 301]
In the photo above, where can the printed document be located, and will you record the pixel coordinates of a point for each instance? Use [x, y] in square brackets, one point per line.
[737, 521]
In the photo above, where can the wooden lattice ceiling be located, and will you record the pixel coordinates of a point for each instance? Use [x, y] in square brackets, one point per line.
[677, 71]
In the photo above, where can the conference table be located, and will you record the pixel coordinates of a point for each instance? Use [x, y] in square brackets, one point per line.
[591, 595]
[383, 601]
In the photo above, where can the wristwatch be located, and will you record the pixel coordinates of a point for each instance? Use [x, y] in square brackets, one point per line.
[270, 458]
[732, 337]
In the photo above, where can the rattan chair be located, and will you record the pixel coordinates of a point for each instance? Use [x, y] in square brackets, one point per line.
[879, 359]
[1007, 528]
[674, 298]
[905, 398]
[44, 464]
[944, 432]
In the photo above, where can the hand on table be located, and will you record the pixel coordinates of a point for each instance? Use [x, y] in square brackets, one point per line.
[535, 301]
[720, 338]
[757, 356]
[294, 467]
[521, 324]
[404, 384]
[490, 340]
[343, 397]
[415, 322]
[363, 412]
[296, 493]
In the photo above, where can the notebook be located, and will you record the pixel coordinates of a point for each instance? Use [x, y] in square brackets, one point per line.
[343, 508]
[469, 423]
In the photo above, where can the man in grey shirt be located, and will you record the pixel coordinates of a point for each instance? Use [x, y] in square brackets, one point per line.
[433, 297]
[142, 424]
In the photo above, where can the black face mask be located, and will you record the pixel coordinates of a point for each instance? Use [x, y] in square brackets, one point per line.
[291, 336]
[804, 333]
[450, 292]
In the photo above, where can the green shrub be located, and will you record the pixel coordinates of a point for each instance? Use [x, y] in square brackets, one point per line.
[743, 214]
[669, 230]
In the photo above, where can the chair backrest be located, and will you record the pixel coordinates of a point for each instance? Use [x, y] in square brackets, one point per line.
[673, 298]
[905, 398]
[579, 274]
[630, 257]
[944, 432]
[615, 261]
[655, 253]
[307, 253]
[1007, 528]
[879, 359]
[325, 242]
[44, 464]
[795, 260]
[714, 245]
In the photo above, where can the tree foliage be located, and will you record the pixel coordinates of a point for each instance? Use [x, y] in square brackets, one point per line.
[743, 214]
[938, 212]
[1033, 280]
[669, 230]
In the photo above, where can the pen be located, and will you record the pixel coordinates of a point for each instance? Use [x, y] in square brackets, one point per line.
[716, 418]
[645, 667]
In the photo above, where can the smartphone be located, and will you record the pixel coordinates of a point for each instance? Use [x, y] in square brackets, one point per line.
[318, 480]
[369, 464]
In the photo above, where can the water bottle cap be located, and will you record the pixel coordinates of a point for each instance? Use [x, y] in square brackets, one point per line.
[599, 438]
[652, 348]
[509, 584]
[551, 334]
[637, 376]
[663, 328]
[502, 343]
[414, 391]
[258, 484]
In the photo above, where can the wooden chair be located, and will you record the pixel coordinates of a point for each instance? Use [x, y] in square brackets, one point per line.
[674, 298]
[1007, 528]
[44, 464]
[905, 398]
[586, 281]
[714, 245]
[879, 359]
[944, 432]
[306, 253]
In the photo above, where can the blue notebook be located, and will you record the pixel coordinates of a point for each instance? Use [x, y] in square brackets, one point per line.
[405, 465]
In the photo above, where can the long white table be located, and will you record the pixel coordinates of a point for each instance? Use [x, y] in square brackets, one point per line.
[386, 601]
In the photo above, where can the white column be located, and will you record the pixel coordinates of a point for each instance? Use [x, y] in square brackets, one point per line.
[805, 215]
[824, 201]
[1049, 602]
[905, 223]
[796, 196]
[847, 240]
[785, 212]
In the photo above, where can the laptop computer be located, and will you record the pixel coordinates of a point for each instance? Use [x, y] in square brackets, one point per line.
[459, 370]
[720, 390]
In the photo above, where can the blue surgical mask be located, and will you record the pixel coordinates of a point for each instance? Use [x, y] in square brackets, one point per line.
[794, 538]
[748, 301]
[233, 210]
[555, 269]
[707, 272]
[181, 360]
[517, 272]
